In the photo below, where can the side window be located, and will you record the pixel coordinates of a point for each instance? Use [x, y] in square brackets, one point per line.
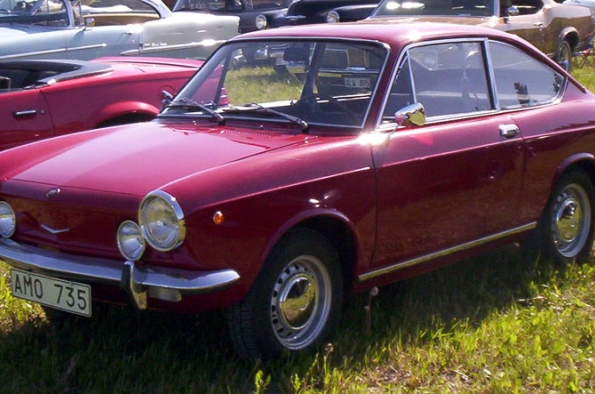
[522, 81]
[450, 79]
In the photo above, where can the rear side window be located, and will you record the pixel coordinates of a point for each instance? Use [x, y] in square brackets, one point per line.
[522, 81]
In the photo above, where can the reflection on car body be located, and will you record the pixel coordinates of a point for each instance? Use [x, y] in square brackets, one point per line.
[382, 152]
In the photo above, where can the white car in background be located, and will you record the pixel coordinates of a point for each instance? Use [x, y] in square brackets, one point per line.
[90, 29]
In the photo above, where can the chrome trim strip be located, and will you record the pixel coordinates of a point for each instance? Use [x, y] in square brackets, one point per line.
[113, 272]
[148, 49]
[444, 252]
[50, 52]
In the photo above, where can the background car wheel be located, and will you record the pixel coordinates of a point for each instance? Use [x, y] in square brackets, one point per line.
[565, 231]
[294, 303]
[564, 55]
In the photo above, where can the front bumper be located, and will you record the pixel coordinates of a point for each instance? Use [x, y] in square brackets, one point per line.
[139, 282]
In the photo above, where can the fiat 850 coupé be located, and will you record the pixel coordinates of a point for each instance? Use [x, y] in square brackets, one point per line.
[385, 151]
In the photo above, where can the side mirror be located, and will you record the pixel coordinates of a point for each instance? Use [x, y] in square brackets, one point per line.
[513, 11]
[166, 98]
[411, 115]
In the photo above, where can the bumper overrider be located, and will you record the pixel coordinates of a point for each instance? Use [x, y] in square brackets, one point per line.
[139, 282]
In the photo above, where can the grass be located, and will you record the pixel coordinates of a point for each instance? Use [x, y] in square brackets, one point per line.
[491, 324]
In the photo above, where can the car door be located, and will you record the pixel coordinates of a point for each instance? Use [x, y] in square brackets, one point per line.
[25, 117]
[530, 22]
[457, 180]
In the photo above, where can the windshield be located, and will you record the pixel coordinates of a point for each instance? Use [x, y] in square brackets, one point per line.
[435, 8]
[38, 12]
[301, 83]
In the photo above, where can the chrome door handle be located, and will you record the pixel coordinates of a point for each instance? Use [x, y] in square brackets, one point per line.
[509, 130]
[24, 114]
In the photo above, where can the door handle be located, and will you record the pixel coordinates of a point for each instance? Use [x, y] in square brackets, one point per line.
[509, 130]
[24, 114]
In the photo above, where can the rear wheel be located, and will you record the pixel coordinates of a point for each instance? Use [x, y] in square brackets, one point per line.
[564, 55]
[565, 231]
[294, 303]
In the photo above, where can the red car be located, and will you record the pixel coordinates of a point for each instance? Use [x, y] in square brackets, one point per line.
[384, 151]
[45, 98]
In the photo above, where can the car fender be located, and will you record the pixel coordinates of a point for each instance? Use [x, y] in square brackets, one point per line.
[571, 35]
[583, 160]
[305, 216]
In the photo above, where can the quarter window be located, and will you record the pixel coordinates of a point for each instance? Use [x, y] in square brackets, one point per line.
[522, 81]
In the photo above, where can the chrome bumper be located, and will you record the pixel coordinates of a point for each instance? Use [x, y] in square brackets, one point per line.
[139, 282]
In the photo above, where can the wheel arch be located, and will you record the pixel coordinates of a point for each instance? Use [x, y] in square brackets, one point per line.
[569, 34]
[336, 228]
[127, 118]
[582, 161]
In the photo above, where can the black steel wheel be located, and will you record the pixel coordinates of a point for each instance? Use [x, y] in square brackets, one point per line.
[294, 303]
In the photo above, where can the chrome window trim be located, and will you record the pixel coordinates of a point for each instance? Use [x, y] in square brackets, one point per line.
[485, 46]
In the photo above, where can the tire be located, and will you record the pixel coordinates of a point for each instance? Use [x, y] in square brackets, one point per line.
[564, 55]
[565, 231]
[295, 302]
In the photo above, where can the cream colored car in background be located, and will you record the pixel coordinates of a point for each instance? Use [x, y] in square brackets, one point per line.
[90, 29]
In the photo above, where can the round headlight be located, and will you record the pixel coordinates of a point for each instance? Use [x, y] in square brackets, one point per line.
[130, 240]
[332, 17]
[8, 220]
[162, 221]
[261, 22]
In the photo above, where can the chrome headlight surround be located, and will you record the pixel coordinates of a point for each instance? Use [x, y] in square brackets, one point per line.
[261, 22]
[333, 17]
[162, 221]
[8, 220]
[131, 241]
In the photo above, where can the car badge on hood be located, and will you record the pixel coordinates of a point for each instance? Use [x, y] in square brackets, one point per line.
[54, 231]
[53, 193]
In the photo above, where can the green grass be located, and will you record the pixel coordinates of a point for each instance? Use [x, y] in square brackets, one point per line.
[492, 324]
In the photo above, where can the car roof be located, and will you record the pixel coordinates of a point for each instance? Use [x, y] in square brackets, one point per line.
[392, 33]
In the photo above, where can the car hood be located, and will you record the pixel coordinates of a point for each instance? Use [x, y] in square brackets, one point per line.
[134, 159]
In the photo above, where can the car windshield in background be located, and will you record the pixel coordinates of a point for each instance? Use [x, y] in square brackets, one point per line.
[33, 12]
[436, 7]
[55, 12]
[302, 83]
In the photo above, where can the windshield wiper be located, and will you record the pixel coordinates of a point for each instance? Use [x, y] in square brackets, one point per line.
[254, 107]
[191, 104]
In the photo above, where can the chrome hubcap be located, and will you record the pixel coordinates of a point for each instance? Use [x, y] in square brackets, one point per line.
[300, 302]
[572, 220]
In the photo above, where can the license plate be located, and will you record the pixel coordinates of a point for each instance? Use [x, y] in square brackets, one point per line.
[60, 294]
[358, 82]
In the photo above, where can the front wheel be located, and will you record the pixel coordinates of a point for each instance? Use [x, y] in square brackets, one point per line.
[566, 228]
[294, 303]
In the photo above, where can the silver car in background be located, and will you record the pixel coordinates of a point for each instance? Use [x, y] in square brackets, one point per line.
[87, 29]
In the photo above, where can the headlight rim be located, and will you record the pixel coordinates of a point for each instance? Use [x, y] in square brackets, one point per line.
[143, 244]
[333, 17]
[179, 214]
[10, 233]
[261, 22]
